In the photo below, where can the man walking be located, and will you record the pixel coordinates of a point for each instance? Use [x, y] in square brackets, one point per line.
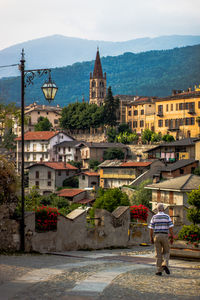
[160, 225]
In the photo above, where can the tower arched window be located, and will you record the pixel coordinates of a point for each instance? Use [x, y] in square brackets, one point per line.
[93, 94]
[101, 84]
[93, 83]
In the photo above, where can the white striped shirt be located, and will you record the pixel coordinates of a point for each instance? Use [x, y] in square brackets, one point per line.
[161, 223]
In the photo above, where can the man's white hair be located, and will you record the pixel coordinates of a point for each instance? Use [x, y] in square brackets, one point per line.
[160, 206]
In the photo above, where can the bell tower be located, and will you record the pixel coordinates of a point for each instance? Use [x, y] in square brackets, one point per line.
[97, 83]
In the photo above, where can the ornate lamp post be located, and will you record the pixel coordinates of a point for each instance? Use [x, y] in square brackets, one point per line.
[49, 90]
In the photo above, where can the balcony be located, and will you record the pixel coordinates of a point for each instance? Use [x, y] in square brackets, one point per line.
[160, 114]
[192, 111]
[173, 128]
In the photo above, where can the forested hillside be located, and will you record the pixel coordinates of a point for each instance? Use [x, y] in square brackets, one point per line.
[153, 73]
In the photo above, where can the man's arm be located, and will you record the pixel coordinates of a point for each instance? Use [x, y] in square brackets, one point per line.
[171, 235]
[151, 235]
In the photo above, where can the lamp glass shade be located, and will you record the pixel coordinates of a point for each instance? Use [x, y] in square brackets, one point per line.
[49, 90]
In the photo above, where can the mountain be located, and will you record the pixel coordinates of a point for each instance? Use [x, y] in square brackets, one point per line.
[58, 51]
[152, 73]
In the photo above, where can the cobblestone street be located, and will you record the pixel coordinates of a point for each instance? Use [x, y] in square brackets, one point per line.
[99, 275]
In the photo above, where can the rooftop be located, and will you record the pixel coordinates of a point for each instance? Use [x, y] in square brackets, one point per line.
[38, 135]
[183, 183]
[70, 192]
[91, 173]
[55, 165]
[178, 143]
[178, 164]
[121, 164]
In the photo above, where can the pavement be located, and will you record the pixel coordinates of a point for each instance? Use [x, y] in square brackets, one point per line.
[96, 275]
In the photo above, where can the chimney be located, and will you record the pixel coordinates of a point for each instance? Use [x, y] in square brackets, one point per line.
[64, 163]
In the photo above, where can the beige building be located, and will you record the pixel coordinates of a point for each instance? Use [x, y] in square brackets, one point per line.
[174, 194]
[34, 111]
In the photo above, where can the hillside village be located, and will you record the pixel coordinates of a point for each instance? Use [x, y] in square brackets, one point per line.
[140, 140]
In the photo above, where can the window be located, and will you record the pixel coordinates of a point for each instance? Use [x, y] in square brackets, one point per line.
[59, 173]
[38, 112]
[37, 174]
[42, 147]
[166, 123]
[34, 156]
[101, 84]
[187, 121]
[46, 155]
[134, 124]
[192, 122]
[93, 94]
[129, 113]
[37, 183]
[49, 175]
[34, 147]
[171, 107]
[181, 171]
[49, 183]
[160, 123]
[67, 172]
[47, 113]
[199, 104]
[93, 83]
[135, 112]
[63, 150]
[167, 107]
[176, 106]
[142, 112]
[160, 108]
[83, 177]
[141, 123]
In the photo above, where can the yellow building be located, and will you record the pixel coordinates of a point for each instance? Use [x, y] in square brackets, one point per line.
[140, 114]
[178, 114]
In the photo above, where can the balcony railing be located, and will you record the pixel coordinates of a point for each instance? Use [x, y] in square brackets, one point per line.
[191, 111]
[173, 128]
[160, 113]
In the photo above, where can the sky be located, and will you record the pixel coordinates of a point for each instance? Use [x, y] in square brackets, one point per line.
[109, 20]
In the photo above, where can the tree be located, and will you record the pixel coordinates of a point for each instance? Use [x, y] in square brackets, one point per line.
[8, 181]
[110, 199]
[9, 140]
[113, 153]
[111, 106]
[168, 138]
[156, 137]
[112, 133]
[93, 164]
[126, 137]
[146, 135]
[197, 171]
[124, 127]
[43, 125]
[142, 196]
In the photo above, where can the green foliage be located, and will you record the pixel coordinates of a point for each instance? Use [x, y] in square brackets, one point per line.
[81, 116]
[124, 127]
[93, 164]
[193, 215]
[156, 137]
[110, 107]
[126, 137]
[142, 195]
[146, 135]
[190, 233]
[194, 198]
[77, 164]
[8, 181]
[168, 138]
[113, 153]
[112, 133]
[71, 182]
[43, 125]
[110, 199]
[152, 73]
[197, 171]
[9, 140]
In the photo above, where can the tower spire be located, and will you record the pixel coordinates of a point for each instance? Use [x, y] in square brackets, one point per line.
[97, 73]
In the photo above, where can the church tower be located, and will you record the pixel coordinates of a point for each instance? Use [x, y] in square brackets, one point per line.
[97, 83]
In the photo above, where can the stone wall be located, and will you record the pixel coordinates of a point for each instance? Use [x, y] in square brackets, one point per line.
[74, 233]
[135, 150]
[9, 229]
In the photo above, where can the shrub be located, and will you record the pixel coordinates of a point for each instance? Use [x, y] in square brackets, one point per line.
[139, 212]
[190, 233]
[46, 218]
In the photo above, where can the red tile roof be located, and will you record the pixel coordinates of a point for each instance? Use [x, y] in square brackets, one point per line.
[59, 165]
[56, 165]
[38, 135]
[70, 192]
[91, 173]
[136, 164]
[84, 201]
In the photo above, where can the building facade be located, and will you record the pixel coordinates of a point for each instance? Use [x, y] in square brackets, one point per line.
[38, 146]
[97, 83]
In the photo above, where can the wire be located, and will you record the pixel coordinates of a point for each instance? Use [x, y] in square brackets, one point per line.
[6, 66]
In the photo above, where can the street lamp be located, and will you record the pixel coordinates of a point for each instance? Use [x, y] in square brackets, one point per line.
[49, 90]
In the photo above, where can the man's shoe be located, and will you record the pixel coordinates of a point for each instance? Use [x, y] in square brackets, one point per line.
[165, 268]
[159, 273]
